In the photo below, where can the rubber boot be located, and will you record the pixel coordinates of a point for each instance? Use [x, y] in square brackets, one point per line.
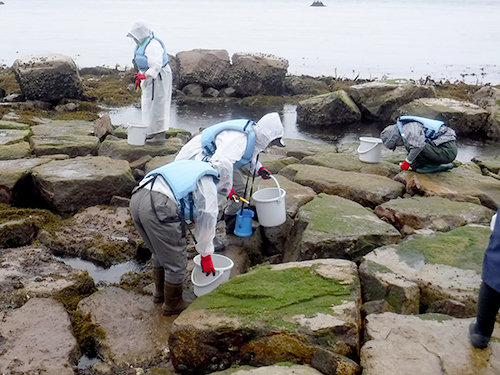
[158, 277]
[488, 304]
[174, 303]
[156, 139]
[230, 223]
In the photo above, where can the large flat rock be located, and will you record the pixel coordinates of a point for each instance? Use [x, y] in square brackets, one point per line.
[37, 339]
[330, 226]
[441, 272]
[285, 312]
[426, 344]
[72, 184]
[135, 331]
[366, 189]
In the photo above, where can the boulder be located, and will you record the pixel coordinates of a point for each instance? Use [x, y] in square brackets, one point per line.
[428, 272]
[305, 85]
[57, 128]
[72, 184]
[31, 271]
[33, 344]
[11, 136]
[488, 97]
[367, 190]
[206, 67]
[434, 213]
[20, 150]
[348, 162]
[71, 145]
[327, 110]
[271, 314]
[462, 184]
[491, 164]
[133, 335]
[464, 117]
[379, 100]
[48, 78]
[333, 227]
[19, 227]
[430, 344]
[257, 74]
[16, 180]
[120, 149]
[102, 235]
[103, 127]
[299, 148]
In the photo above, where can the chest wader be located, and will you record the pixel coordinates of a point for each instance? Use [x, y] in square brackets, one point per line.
[169, 293]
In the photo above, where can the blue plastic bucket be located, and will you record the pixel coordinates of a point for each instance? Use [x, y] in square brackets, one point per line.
[243, 227]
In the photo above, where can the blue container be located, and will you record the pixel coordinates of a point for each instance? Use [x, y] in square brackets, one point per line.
[243, 226]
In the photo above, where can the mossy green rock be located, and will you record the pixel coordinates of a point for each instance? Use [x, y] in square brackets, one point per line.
[366, 189]
[339, 228]
[463, 184]
[19, 150]
[272, 314]
[435, 213]
[445, 266]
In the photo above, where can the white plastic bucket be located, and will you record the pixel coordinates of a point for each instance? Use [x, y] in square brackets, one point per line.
[270, 205]
[203, 283]
[136, 134]
[369, 149]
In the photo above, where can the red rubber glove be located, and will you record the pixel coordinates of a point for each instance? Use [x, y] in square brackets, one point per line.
[138, 78]
[231, 193]
[207, 266]
[264, 173]
[405, 165]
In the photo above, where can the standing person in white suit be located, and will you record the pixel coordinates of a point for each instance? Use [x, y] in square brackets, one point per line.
[155, 80]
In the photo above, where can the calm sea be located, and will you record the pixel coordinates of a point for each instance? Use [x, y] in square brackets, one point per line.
[444, 39]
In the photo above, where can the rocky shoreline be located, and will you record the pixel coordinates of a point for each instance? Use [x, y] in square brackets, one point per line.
[375, 271]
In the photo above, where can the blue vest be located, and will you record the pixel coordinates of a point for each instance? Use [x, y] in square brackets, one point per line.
[182, 177]
[246, 126]
[431, 127]
[141, 60]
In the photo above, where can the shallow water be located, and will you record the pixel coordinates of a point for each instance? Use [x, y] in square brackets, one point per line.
[192, 118]
[104, 276]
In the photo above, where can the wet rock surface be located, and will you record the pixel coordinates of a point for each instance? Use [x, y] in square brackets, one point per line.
[409, 244]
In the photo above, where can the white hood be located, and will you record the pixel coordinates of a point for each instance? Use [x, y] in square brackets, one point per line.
[268, 128]
[139, 31]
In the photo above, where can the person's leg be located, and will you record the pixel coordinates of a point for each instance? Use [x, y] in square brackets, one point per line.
[168, 244]
[488, 305]
[433, 155]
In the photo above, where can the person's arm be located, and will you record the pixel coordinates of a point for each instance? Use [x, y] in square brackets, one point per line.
[414, 136]
[154, 53]
[205, 201]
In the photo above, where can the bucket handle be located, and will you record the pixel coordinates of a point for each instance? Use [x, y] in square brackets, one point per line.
[371, 148]
[277, 183]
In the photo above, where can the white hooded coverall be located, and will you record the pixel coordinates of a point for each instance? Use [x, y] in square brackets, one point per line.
[231, 146]
[156, 89]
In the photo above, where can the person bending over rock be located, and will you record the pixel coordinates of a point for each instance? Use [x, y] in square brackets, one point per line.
[431, 144]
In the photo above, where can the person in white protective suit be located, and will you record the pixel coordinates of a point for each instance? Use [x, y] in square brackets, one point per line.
[155, 80]
[161, 205]
[232, 145]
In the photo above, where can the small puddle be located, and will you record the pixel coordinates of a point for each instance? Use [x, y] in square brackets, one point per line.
[104, 276]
